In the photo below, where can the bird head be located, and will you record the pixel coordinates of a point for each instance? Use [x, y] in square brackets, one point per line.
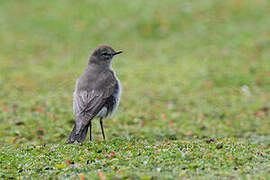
[103, 55]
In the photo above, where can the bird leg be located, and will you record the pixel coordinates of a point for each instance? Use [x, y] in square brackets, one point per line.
[90, 126]
[101, 125]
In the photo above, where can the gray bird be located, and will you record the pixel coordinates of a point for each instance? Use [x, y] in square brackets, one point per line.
[97, 93]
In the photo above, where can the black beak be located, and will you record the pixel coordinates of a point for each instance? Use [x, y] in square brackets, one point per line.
[118, 52]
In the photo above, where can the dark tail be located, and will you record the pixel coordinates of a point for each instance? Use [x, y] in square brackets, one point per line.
[80, 137]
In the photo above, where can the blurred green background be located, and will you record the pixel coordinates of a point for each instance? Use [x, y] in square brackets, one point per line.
[189, 68]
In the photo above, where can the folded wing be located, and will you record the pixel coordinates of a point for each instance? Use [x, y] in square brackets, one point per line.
[87, 103]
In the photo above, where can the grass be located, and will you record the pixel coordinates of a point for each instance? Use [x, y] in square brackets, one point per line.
[195, 77]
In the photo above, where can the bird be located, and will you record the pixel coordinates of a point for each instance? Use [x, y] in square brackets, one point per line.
[96, 95]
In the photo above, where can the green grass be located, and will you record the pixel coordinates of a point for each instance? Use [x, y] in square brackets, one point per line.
[196, 89]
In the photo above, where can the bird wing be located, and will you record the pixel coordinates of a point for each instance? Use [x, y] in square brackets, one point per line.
[88, 103]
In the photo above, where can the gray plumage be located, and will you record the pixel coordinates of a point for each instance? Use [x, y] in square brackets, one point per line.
[97, 93]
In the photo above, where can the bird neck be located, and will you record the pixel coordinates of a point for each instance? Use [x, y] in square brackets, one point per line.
[94, 62]
[98, 65]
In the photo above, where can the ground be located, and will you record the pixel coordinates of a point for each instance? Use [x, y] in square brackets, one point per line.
[196, 89]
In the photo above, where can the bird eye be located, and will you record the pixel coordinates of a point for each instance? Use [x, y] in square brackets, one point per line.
[105, 54]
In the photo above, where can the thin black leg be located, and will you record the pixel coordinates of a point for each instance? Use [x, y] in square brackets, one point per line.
[90, 126]
[101, 125]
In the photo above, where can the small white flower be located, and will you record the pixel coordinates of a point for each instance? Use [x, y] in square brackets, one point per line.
[245, 90]
[144, 162]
